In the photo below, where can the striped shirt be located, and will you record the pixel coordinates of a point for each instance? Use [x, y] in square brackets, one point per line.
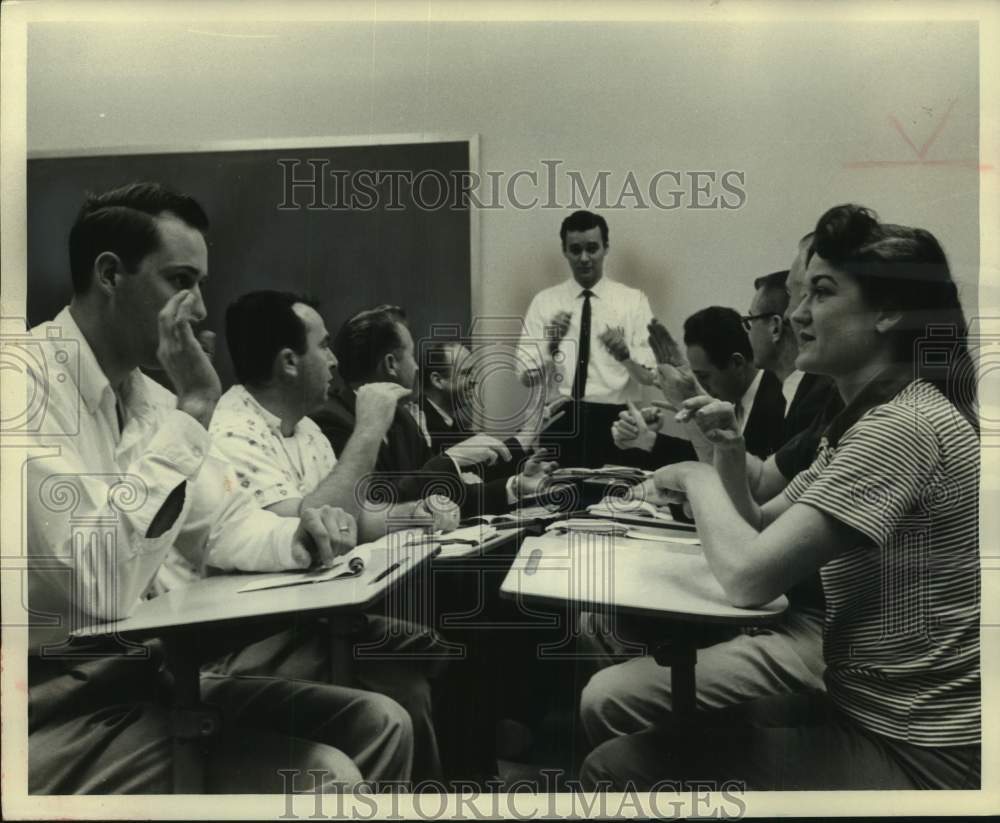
[901, 638]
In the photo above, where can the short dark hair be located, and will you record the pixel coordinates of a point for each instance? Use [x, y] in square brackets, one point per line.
[583, 221]
[260, 324]
[775, 290]
[122, 221]
[719, 331]
[365, 339]
[434, 357]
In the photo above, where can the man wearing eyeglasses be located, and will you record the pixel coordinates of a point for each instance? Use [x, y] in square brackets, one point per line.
[723, 362]
[775, 349]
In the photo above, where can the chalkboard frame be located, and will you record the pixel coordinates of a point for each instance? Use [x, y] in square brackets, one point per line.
[292, 144]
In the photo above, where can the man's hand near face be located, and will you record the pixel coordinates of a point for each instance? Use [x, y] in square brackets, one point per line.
[187, 359]
[376, 405]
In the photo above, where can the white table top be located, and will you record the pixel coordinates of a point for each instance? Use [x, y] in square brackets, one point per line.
[639, 576]
[218, 599]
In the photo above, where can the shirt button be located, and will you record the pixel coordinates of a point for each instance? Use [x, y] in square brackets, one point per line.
[196, 451]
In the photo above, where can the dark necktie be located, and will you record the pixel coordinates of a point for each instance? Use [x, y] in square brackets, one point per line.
[583, 354]
[120, 414]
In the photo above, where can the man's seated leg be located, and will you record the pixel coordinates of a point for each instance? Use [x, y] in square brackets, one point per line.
[302, 652]
[372, 730]
[125, 746]
[400, 660]
[784, 743]
[632, 696]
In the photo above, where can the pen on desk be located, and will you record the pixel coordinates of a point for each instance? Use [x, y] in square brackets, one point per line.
[515, 524]
[388, 570]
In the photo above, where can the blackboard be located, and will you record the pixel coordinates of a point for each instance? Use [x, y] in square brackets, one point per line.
[399, 246]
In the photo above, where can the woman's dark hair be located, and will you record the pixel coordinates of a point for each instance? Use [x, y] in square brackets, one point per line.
[905, 269]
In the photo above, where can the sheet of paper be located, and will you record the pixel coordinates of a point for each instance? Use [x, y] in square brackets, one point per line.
[636, 508]
[341, 569]
[636, 534]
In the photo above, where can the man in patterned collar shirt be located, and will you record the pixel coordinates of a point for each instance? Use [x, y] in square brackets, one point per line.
[280, 350]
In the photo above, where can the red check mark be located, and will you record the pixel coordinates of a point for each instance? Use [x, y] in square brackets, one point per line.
[922, 151]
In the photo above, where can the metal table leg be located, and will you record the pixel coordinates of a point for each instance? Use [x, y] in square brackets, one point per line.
[193, 724]
[344, 631]
[680, 653]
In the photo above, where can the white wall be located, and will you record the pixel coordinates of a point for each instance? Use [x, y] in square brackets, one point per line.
[792, 105]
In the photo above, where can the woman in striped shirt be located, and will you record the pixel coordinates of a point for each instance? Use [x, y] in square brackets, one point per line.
[889, 512]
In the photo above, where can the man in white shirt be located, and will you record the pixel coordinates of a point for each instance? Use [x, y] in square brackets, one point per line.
[281, 355]
[134, 467]
[587, 339]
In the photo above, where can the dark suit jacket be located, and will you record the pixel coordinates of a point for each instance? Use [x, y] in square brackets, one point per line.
[407, 464]
[667, 449]
[442, 434]
[812, 397]
[815, 404]
[764, 431]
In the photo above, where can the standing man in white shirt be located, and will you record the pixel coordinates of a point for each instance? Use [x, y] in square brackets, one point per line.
[124, 471]
[587, 339]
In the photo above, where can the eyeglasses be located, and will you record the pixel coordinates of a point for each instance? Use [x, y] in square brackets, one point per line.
[747, 319]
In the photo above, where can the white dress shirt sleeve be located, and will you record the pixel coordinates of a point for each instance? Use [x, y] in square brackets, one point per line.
[228, 530]
[101, 573]
[638, 344]
[533, 350]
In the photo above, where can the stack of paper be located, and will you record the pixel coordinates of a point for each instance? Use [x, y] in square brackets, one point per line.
[609, 507]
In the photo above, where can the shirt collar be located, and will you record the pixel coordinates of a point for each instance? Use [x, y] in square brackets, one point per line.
[599, 289]
[272, 421]
[444, 415]
[789, 387]
[91, 381]
[880, 389]
[746, 401]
